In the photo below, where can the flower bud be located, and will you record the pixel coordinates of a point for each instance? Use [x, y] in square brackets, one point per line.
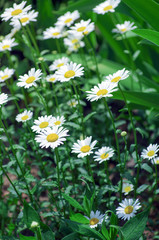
[123, 133]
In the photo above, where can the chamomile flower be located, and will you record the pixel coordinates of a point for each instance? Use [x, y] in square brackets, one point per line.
[52, 32]
[51, 78]
[127, 209]
[72, 103]
[52, 137]
[3, 98]
[5, 74]
[82, 28]
[125, 27]
[7, 44]
[25, 116]
[127, 187]
[74, 42]
[58, 121]
[106, 6]
[15, 11]
[103, 154]
[24, 19]
[95, 218]
[118, 76]
[69, 71]
[67, 19]
[29, 80]
[84, 147]
[43, 122]
[58, 63]
[150, 152]
[104, 89]
[155, 160]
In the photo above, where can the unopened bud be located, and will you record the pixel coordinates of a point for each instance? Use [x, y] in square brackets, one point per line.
[123, 133]
[34, 224]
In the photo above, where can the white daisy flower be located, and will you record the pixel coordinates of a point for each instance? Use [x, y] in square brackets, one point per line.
[12, 33]
[5, 74]
[58, 63]
[107, 6]
[104, 89]
[127, 187]
[51, 78]
[118, 76]
[95, 218]
[58, 121]
[52, 137]
[84, 147]
[155, 160]
[52, 32]
[7, 44]
[125, 27]
[72, 103]
[25, 116]
[127, 209]
[15, 11]
[24, 19]
[74, 42]
[3, 98]
[29, 80]
[82, 28]
[103, 154]
[67, 19]
[69, 71]
[43, 122]
[150, 152]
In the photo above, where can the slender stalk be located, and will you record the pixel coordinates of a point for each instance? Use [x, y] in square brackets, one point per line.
[90, 170]
[58, 170]
[38, 234]
[58, 46]
[42, 100]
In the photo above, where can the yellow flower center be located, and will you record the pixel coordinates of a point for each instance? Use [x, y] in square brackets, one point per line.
[151, 153]
[25, 117]
[69, 74]
[43, 124]
[16, 12]
[127, 189]
[4, 77]
[123, 29]
[81, 29]
[85, 148]
[51, 79]
[74, 41]
[107, 8]
[157, 161]
[116, 79]
[6, 46]
[60, 64]
[55, 33]
[68, 20]
[57, 122]
[128, 209]
[102, 92]
[85, 33]
[72, 104]
[30, 80]
[52, 137]
[23, 20]
[93, 221]
[104, 155]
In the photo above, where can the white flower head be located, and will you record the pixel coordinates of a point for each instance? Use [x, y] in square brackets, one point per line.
[106, 6]
[7, 44]
[69, 71]
[52, 32]
[29, 80]
[103, 154]
[3, 98]
[52, 137]
[24, 19]
[82, 28]
[25, 116]
[5, 74]
[58, 63]
[67, 19]
[58, 121]
[84, 147]
[104, 89]
[72, 103]
[150, 152]
[118, 76]
[51, 78]
[127, 209]
[15, 11]
[42, 123]
[95, 218]
[127, 187]
[155, 160]
[12, 33]
[125, 27]
[74, 42]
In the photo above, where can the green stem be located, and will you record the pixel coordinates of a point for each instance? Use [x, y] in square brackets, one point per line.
[42, 100]
[38, 234]
[90, 170]
[58, 46]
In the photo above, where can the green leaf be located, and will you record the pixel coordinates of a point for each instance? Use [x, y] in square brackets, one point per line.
[134, 228]
[29, 215]
[148, 10]
[73, 202]
[72, 236]
[89, 116]
[148, 34]
[79, 218]
[26, 238]
[142, 188]
[147, 168]
[46, 232]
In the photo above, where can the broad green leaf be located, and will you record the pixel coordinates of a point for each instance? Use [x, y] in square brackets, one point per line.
[45, 15]
[30, 215]
[142, 188]
[148, 34]
[72, 236]
[89, 116]
[26, 238]
[46, 232]
[90, 232]
[73, 202]
[79, 218]
[147, 168]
